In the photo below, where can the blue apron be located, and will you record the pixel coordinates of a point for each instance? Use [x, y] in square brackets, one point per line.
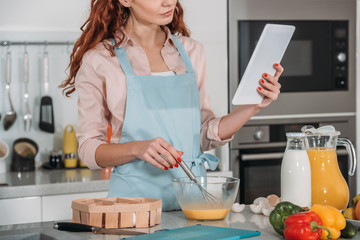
[160, 106]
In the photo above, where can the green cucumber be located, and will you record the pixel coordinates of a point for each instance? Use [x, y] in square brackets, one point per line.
[349, 231]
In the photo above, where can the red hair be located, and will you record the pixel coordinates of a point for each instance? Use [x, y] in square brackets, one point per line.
[106, 18]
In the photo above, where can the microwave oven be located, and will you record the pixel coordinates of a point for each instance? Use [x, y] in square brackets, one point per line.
[319, 63]
[315, 60]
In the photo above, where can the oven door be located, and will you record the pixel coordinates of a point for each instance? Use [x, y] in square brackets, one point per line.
[259, 171]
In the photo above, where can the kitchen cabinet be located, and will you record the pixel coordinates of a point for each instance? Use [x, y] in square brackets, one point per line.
[58, 207]
[49, 195]
[41, 208]
[20, 210]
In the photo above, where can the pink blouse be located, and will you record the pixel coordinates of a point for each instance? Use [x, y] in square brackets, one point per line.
[101, 87]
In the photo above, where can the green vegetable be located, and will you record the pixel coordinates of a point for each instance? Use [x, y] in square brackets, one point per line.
[349, 231]
[280, 213]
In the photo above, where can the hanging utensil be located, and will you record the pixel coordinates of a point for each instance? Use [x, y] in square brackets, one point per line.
[27, 113]
[10, 116]
[46, 106]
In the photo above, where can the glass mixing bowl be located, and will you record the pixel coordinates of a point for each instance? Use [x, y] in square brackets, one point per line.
[209, 199]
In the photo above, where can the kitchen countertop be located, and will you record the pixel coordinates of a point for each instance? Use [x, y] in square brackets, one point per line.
[169, 220]
[49, 182]
[42, 182]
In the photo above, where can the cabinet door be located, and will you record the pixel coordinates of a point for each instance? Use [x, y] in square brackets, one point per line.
[20, 210]
[58, 207]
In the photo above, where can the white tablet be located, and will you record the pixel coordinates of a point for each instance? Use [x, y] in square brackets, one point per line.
[270, 49]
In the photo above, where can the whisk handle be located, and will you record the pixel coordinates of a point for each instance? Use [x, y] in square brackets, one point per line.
[187, 170]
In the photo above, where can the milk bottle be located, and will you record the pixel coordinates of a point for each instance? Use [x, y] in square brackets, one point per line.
[296, 171]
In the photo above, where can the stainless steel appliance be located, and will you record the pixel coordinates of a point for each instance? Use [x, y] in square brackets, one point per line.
[318, 84]
[316, 58]
[320, 62]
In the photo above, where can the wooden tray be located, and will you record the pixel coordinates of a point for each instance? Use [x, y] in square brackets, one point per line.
[117, 212]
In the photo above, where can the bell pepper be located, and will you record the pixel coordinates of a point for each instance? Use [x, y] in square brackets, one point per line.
[303, 226]
[281, 211]
[331, 218]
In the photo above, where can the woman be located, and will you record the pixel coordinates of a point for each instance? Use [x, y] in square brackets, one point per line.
[132, 72]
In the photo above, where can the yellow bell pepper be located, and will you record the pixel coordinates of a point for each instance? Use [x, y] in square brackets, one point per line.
[331, 218]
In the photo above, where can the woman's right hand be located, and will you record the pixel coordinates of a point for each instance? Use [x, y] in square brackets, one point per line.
[156, 150]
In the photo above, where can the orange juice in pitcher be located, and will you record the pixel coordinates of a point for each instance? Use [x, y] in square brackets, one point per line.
[328, 185]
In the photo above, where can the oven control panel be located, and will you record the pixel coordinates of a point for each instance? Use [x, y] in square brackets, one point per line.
[340, 64]
[253, 134]
[275, 133]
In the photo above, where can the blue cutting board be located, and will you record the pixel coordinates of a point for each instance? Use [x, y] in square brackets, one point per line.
[198, 232]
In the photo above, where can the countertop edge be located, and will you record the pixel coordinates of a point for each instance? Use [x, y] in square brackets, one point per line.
[63, 182]
[53, 189]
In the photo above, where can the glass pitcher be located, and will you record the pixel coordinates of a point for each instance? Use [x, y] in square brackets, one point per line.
[328, 186]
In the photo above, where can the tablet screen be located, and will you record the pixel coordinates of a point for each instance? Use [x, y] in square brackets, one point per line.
[270, 49]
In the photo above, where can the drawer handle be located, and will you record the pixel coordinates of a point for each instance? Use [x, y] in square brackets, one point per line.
[262, 156]
[277, 155]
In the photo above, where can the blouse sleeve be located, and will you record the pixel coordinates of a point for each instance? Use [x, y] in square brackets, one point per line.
[93, 113]
[209, 122]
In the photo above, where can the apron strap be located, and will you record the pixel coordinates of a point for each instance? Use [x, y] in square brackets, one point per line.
[184, 56]
[124, 60]
[128, 70]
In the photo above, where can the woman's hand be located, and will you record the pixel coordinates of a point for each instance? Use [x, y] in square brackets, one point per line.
[270, 86]
[153, 151]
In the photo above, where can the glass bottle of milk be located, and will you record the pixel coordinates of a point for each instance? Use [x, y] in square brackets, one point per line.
[296, 171]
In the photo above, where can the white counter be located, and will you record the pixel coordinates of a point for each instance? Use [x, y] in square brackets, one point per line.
[169, 220]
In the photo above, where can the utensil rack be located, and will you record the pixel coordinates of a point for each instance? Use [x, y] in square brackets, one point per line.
[45, 43]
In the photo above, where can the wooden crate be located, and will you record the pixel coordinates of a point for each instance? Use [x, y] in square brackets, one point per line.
[117, 212]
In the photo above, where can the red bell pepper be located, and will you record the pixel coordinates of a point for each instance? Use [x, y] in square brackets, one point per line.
[304, 226]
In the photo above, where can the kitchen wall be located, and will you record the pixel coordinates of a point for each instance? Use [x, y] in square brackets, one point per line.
[207, 21]
[50, 20]
[358, 91]
[38, 20]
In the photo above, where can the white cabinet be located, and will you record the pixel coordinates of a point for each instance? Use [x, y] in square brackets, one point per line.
[20, 210]
[58, 207]
[41, 208]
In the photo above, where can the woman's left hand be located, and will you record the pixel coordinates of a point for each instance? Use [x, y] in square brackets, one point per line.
[270, 86]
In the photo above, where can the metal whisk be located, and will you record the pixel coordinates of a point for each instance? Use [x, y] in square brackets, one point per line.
[205, 194]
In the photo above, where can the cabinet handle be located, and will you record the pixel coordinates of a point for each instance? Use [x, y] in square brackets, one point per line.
[261, 156]
[277, 155]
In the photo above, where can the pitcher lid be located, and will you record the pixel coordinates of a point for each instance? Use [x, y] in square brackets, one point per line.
[323, 130]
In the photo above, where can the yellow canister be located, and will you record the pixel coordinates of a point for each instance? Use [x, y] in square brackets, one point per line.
[70, 147]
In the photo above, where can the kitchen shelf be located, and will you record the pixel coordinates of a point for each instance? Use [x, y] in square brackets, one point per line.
[45, 43]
